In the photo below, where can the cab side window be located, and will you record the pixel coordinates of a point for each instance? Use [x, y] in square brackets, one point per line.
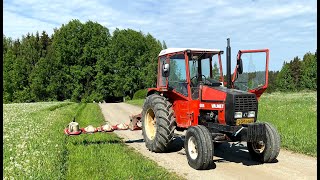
[177, 77]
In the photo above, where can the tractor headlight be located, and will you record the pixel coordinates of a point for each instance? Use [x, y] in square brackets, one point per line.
[238, 115]
[251, 114]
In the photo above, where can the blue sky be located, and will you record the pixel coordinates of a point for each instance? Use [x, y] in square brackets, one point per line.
[287, 28]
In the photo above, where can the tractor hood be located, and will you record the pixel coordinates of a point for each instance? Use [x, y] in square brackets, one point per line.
[210, 93]
[234, 100]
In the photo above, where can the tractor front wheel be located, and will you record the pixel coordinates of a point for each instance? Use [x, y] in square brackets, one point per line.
[199, 147]
[158, 123]
[268, 150]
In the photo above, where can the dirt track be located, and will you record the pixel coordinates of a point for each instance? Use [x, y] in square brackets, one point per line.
[232, 160]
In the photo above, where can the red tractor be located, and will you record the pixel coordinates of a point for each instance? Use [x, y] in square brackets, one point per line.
[192, 95]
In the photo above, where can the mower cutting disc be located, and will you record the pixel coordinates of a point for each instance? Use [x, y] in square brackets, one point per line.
[121, 126]
[67, 132]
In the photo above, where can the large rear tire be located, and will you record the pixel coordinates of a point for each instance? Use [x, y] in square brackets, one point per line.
[158, 123]
[268, 150]
[199, 147]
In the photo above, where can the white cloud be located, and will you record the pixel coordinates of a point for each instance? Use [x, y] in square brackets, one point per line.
[15, 25]
[181, 23]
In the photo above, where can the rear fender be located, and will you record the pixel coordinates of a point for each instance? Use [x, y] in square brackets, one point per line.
[153, 91]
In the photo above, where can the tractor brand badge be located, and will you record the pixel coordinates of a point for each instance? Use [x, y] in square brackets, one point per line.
[245, 114]
[219, 106]
[201, 105]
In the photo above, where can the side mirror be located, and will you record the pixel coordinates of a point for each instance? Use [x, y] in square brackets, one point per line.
[165, 69]
[240, 66]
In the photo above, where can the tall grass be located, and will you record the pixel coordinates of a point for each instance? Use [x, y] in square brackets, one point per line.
[136, 102]
[35, 146]
[33, 140]
[295, 116]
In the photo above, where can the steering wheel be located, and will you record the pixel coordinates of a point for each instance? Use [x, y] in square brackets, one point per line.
[193, 85]
[197, 77]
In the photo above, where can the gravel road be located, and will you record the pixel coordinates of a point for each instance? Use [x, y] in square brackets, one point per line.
[231, 160]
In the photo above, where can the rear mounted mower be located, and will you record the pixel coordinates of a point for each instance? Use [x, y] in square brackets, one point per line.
[73, 128]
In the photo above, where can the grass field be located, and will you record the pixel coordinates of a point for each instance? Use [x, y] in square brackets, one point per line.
[293, 114]
[35, 146]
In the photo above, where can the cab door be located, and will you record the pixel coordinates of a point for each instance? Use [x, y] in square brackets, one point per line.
[251, 71]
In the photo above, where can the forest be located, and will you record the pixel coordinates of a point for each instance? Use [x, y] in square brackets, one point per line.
[83, 62]
[78, 62]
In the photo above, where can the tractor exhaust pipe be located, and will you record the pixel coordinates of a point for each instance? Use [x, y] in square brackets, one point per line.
[228, 57]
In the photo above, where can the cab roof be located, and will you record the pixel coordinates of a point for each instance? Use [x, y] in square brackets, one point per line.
[173, 50]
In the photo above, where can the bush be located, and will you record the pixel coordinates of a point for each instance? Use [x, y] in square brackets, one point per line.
[127, 98]
[140, 94]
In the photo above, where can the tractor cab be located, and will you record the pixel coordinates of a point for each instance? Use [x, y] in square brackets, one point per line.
[184, 69]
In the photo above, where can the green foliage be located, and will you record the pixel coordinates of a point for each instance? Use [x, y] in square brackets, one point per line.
[295, 67]
[272, 81]
[81, 62]
[140, 94]
[136, 102]
[309, 71]
[285, 81]
[134, 59]
[215, 72]
[298, 75]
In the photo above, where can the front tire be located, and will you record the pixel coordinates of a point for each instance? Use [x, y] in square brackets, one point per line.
[199, 147]
[266, 151]
[158, 123]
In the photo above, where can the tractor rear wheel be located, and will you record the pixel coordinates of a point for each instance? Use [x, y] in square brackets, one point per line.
[199, 147]
[268, 150]
[158, 123]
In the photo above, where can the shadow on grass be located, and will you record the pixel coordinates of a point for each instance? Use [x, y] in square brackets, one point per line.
[135, 141]
[237, 153]
[58, 106]
[87, 143]
[175, 145]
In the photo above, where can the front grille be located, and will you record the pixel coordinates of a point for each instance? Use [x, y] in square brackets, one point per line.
[247, 102]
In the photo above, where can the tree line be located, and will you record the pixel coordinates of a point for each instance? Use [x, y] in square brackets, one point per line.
[84, 62]
[78, 62]
[295, 75]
